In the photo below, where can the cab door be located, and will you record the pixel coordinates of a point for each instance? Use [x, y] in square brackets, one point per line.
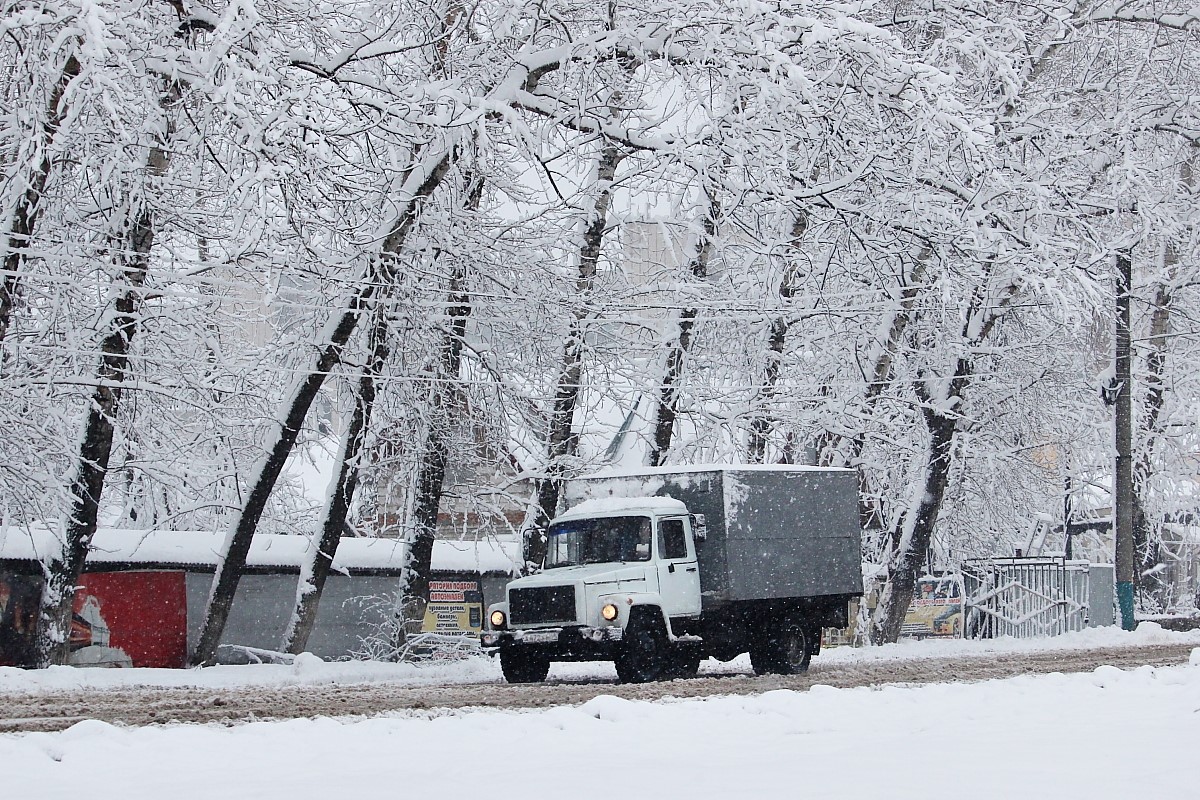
[678, 572]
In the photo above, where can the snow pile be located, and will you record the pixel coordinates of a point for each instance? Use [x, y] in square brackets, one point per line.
[1147, 634]
[307, 669]
[1106, 734]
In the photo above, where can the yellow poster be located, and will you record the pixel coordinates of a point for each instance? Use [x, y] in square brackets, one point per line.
[936, 609]
[455, 607]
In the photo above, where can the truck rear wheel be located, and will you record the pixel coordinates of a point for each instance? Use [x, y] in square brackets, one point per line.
[523, 667]
[782, 649]
[644, 654]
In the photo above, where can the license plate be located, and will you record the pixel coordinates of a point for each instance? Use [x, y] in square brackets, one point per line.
[540, 637]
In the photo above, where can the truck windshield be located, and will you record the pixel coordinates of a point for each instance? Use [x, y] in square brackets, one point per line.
[596, 541]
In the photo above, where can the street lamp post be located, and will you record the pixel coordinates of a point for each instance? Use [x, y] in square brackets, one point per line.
[1123, 494]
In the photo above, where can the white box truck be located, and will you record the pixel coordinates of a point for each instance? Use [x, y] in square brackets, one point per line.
[657, 569]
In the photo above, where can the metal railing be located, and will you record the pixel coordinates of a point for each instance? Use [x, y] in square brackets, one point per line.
[1025, 597]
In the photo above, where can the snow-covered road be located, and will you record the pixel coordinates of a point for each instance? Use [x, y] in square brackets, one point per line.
[310, 696]
[1104, 734]
[55, 699]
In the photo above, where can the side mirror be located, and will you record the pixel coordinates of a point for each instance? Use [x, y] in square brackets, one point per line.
[699, 528]
[528, 536]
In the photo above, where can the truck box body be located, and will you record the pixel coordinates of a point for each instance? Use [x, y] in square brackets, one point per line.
[772, 531]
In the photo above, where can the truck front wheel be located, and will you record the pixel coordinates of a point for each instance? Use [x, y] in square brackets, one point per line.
[685, 663]
[644, 653]
[522, 667]
[781, 649]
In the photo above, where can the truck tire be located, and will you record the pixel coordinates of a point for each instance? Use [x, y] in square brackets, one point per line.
[685, 663]
[645, 654]
[523, 667]
[781, 649]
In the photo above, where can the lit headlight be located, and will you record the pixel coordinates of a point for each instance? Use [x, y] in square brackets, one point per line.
[497, 619]
[609, 612]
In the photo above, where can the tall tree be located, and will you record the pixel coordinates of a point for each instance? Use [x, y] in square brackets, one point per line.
[1041, 66]
[671, 388]
[435, 450]
[1152, 432]
[135, 230]
[422, 178]
[762, 423]
[562, 439]
[321, 553]
[509, 80]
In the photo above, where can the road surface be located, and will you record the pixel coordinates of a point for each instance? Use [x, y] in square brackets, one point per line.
[56, 710]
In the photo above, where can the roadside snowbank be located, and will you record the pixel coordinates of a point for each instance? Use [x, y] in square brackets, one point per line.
[1147, 633]
[1105, 734]
[309, 670]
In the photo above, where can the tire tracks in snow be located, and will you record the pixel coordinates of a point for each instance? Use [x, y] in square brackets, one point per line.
[57, 710]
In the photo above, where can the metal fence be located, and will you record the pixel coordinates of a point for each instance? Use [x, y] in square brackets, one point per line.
[1025, 597]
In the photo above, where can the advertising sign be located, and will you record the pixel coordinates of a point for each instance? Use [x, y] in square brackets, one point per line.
[141, 616]
[455, 607]
[121, 619]
[936, 609]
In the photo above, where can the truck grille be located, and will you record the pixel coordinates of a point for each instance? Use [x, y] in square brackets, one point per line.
[542, 604]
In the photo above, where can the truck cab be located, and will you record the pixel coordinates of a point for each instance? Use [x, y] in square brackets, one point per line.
[613, 570]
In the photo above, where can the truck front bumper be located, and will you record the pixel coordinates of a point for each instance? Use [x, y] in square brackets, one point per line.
[569, 642]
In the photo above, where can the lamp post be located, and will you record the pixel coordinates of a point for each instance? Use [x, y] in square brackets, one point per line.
[1067, 550]
[1123, 488]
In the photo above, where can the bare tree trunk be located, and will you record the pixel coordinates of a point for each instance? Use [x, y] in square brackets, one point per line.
[562, 440]
[1145, 543]
[763, 423]
[316, 570]
[423, 178]
[24, 219]
[667, 410]
[911, 538]
[53, 644]
[431, 475]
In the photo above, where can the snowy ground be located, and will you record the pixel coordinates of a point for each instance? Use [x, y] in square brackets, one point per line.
[1101, 734]
[1105, 734]
[311, 670]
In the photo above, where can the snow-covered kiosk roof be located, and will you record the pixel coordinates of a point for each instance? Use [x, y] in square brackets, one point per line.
[198, 551]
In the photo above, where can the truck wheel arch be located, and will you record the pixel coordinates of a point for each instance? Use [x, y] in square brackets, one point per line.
[646, 650]
[648, 612]
[637, 605]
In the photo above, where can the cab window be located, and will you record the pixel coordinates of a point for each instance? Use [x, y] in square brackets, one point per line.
[672, 541]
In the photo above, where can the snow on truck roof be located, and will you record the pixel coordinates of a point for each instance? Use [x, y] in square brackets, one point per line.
[612, 506]
[200, 549]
